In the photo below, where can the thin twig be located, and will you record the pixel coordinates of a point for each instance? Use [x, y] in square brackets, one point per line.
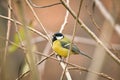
[4, 72]
[38, 32]
[83, 40]
[16, 27]
[43, 59]
[73, 35]
[39, 62]
[35, 15]
[30, 28]
[86, 41]
[116, 59]
[79, 67]
[17, 31]
[108, 16]
[67, 73]
[65, 20]
[29, 56]
[8, 30]
[96, 25]
[63, 65]
[75, 26]
[73, 65]
[46, 6]
[92, 19]
[99, 74]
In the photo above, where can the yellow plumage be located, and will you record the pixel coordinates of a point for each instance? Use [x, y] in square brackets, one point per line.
[60, 50]
[61, 45]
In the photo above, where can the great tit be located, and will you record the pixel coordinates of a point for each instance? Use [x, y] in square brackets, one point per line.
[61, 45]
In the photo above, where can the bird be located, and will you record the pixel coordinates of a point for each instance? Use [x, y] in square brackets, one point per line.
[61, 45]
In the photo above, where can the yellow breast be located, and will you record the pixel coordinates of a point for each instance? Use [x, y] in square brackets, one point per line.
[59, 49]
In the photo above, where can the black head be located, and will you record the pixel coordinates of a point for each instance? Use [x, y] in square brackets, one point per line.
[57, 36]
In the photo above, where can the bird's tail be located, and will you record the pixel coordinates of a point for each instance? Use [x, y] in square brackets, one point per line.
[84, 54]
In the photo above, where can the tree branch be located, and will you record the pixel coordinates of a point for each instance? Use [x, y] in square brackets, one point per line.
[116, 59]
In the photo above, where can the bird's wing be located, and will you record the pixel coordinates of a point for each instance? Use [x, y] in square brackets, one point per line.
[67, 46]
[74, 48]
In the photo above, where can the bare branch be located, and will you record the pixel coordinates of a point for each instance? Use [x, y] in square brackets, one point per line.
[65, 20]
[29, 56]
[30, 28]
[49, 56]
[91, 33]
[35, 15]
[64, 66]
[74, 31]
[92, 19]
[8, 30]
[36, 6]
[99, 74]
[108, 16]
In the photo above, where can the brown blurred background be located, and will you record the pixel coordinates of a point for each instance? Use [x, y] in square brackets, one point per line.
[52, 18]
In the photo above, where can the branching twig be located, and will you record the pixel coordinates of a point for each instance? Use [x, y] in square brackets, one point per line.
[42, 35]
[84, 40]
[29, 56]
[65, 20]
[4, 72]
[92, 19]
[35, 15]
[38, 63]
[8, 30]
[73, 65]
[81, 23]
[17, 31]
[34, 5]
[99, 74]
[73, 35]
[64, 66]
[30, 28]
[91, 33]
[107, 15]
[16, 27]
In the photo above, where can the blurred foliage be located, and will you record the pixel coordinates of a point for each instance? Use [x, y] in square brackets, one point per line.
[17, 36]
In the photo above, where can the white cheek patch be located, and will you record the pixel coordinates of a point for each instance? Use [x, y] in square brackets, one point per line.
[59, 37]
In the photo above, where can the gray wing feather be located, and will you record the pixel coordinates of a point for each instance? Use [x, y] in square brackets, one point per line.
[67, 46]
[74, 49]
